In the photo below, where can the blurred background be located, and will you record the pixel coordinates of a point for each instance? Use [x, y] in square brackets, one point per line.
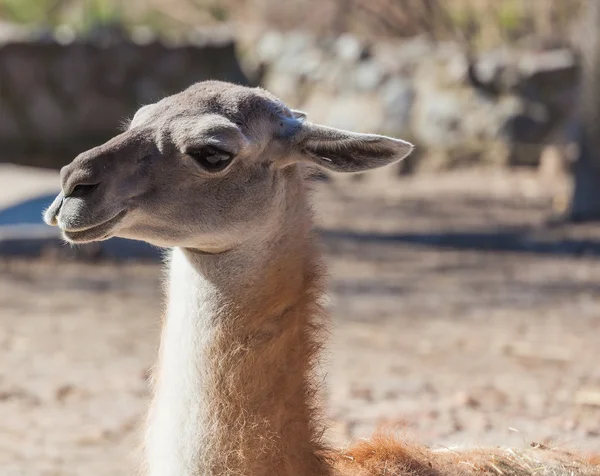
[465, 281]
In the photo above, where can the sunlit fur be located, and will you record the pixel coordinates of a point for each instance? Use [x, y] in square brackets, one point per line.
[235, 391]
[386, 455]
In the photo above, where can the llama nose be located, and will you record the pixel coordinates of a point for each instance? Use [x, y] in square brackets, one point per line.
[81, 189]
[77, 183]
[51, 214]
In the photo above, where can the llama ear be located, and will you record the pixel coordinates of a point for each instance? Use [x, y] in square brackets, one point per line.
[345, 151]
[300, 115]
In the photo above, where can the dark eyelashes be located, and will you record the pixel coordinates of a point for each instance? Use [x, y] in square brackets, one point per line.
[211, 158]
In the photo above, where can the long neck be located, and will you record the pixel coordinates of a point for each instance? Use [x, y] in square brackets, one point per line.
[234, 386]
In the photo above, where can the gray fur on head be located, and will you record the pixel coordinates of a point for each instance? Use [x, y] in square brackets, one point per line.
[146, 183]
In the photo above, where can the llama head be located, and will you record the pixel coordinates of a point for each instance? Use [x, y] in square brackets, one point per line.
[206, 169]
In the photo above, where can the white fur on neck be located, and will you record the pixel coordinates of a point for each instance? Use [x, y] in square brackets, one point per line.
[230, 315]
[179, 417]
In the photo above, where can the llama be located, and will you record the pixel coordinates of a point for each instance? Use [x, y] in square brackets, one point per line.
[217, 173]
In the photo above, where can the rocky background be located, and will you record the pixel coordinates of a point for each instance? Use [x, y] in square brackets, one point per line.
[61, 93]
[500, 108]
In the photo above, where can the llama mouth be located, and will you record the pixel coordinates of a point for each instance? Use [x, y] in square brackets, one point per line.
[97, 232]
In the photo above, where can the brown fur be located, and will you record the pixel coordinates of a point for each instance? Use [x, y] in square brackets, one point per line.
[265, 353]
[385, 455]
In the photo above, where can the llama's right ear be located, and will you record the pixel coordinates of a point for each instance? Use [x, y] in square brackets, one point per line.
[345, 151]
[299, 115]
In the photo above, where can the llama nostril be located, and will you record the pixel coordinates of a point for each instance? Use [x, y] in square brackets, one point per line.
[83, 189]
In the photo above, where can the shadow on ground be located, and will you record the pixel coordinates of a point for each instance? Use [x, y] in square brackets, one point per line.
[22, 233]
[526, 240]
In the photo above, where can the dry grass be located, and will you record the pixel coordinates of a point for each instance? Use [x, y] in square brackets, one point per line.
[484, 22]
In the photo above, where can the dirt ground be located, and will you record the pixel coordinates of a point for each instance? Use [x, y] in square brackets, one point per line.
[455, 317]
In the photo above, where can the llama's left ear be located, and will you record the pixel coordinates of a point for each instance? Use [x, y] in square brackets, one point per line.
[345, 151]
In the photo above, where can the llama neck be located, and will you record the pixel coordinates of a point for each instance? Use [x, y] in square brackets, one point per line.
[234, 383]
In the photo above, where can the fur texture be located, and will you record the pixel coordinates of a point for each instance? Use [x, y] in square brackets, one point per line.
[234, 389]
[385, 455]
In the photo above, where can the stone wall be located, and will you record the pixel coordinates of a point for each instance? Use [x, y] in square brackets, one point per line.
[499, 108]
[58, 99]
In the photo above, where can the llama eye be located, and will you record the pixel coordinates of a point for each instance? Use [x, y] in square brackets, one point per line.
[211, 158]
